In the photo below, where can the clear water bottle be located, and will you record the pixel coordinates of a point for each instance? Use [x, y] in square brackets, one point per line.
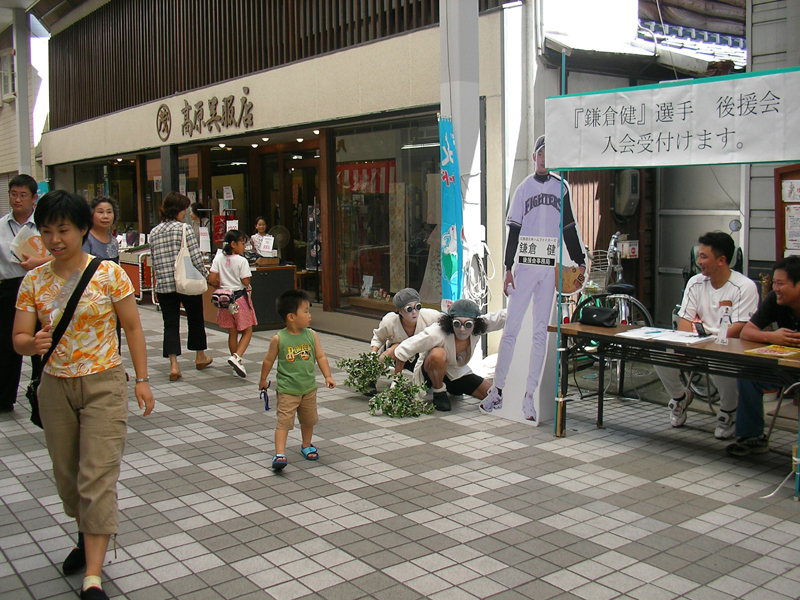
[724, 323]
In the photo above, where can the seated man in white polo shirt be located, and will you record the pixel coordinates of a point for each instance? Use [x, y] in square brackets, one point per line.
[716, 293]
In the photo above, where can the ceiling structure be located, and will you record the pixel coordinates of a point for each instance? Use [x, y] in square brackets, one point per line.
[6, 7]
[53, 15]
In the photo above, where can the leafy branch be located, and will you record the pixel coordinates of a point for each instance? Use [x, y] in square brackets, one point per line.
[364, 371]
[400, 399]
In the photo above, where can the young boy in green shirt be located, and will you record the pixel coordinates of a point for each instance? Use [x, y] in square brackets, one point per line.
[296, 348]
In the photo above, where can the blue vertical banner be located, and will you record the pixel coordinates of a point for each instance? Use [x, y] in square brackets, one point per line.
[452, 215]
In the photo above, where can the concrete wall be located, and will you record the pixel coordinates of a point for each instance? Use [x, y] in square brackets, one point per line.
[8, 133]
[9, 157]
[774, 44]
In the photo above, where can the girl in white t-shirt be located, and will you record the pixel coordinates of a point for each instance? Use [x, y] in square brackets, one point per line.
[259, 235]
[231, 271]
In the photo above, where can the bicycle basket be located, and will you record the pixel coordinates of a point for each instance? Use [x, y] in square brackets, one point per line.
[596, 282]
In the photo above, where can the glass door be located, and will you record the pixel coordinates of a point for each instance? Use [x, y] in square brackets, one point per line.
[301, 199]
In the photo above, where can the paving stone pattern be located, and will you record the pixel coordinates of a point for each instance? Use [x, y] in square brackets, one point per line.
[452, 505]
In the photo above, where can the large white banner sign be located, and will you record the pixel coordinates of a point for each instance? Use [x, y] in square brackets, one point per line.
[739, 119]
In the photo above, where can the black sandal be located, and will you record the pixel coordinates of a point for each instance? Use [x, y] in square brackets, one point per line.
[76, 559]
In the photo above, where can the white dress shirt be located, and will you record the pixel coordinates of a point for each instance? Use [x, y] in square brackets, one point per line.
[9, 228]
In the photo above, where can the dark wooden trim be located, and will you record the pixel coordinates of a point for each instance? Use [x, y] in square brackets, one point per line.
[311, 144]
[141, 186]
[204, 175]
[256, 200]
[327, 156]
[127, 52]
[779, 174]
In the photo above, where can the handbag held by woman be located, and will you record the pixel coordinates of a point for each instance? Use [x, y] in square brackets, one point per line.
[188, 280]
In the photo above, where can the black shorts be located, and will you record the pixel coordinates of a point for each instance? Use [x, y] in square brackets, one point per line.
[466, 384]
[410, 364]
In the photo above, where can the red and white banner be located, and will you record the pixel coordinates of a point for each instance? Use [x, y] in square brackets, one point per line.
[377, 177]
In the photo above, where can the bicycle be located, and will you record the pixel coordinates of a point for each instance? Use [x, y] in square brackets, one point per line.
[605, 287]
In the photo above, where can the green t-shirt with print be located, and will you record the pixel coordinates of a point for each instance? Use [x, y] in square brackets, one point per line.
[296, 362]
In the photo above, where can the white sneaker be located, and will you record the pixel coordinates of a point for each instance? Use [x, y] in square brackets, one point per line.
[527, 407]
[677, 408]
[726, 422]
[236, 362]
[494, 399]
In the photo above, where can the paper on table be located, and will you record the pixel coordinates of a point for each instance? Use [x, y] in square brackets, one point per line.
[664, 335]
[774, 350]
[644, 333]
[266, 245]
[28, 243]
[684, 337]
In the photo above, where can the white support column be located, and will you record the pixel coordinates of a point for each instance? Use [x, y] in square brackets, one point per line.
[22, 58]
[458, 41]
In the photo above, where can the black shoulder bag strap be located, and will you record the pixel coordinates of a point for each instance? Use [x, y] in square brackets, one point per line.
[72, 304]
[58, 333]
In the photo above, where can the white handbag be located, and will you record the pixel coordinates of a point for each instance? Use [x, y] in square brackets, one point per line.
[188, 280]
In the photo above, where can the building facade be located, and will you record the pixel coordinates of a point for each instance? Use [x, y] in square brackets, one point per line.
[321, 117]
[23, 97]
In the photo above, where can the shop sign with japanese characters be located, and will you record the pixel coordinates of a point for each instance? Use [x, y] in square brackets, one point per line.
[201, 115]
[748, 118]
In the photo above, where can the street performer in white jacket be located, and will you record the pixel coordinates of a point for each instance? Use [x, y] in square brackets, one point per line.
[407, 320]
[445, 349]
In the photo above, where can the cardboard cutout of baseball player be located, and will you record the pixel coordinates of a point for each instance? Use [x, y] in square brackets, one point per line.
[534, 219]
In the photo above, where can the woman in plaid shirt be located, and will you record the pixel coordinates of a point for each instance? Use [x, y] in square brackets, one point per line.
[165, 243]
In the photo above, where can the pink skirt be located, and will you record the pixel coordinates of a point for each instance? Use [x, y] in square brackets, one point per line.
[243, 319]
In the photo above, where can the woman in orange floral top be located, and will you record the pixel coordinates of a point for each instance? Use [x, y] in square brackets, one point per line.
[83, 390]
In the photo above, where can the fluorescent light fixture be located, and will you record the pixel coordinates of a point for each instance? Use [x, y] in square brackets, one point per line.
[237, 164]
[297, 157]
[265, 139]
[222, 145]
[414, 146]
[316, 132]
[299, 139]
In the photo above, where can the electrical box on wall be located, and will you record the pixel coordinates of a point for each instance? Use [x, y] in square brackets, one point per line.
[629, 248]
[626, 199]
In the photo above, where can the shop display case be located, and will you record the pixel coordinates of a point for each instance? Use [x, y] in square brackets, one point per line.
[139, 267]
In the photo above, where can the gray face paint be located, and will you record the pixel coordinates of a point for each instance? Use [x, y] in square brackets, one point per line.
[462, 334]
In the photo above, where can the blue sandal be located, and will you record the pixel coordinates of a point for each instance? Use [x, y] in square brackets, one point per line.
[279, 461]
[309, 453]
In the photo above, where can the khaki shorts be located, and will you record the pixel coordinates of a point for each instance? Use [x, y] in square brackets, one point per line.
[85, 422]
[305, 406]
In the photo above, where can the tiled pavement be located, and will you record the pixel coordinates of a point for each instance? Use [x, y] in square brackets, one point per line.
[450, 506]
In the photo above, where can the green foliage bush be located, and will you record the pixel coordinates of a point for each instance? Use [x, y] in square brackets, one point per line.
[399, 400]
[364, 371]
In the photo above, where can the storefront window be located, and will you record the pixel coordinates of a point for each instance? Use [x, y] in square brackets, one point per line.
[270, 207]
[116, 179]
[188, 183]
[387, 207]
